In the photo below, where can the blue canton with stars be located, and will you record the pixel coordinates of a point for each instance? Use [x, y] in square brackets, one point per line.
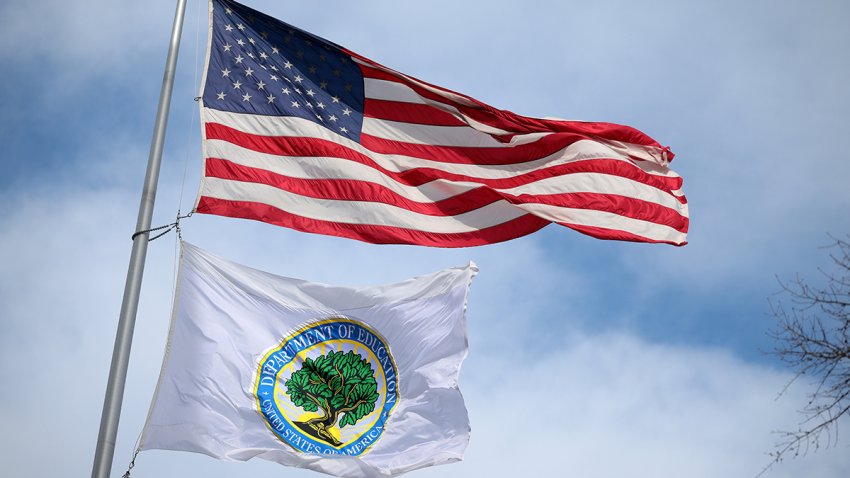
[260, 65]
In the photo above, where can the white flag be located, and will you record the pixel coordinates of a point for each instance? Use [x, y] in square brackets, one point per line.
[359, 381]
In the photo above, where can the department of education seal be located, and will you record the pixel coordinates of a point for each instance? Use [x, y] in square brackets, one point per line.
[328, 388]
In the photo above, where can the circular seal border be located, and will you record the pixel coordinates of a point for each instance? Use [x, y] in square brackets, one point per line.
[306, 337]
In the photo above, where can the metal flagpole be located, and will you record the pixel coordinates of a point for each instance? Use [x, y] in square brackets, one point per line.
[127, 318]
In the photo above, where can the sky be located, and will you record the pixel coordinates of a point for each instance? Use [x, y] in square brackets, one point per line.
[586, 358]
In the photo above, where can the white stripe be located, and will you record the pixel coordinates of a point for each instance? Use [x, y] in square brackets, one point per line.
[392, 91]
[298, 127]
[398, 92]
[652, 155]
[360, 212]
[597, 183]
[460, 99]
[335, 168]
[607, 220]
[369, 213]
[463, 136]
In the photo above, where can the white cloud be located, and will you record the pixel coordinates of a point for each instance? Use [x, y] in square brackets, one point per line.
[96, 34]
[613, 405]
[751, 98]
[585, 404]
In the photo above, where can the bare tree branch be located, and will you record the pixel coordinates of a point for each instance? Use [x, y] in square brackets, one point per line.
[812, 337]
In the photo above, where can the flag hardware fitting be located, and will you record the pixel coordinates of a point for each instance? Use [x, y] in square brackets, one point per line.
[131, 465]
[168, 227]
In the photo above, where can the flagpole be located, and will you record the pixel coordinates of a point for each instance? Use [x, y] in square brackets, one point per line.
[127, 318]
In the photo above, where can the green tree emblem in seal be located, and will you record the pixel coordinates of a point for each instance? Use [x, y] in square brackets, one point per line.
[341, 385]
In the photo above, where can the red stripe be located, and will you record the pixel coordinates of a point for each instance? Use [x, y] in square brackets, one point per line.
[617, 235]
[353, 190]
[494, 156]
[298, 146]
[350, 190]
[413, 113]
[612, 203]
[370, 233]
[518, 124]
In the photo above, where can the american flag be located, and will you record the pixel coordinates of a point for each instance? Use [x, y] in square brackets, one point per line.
[303, 133]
